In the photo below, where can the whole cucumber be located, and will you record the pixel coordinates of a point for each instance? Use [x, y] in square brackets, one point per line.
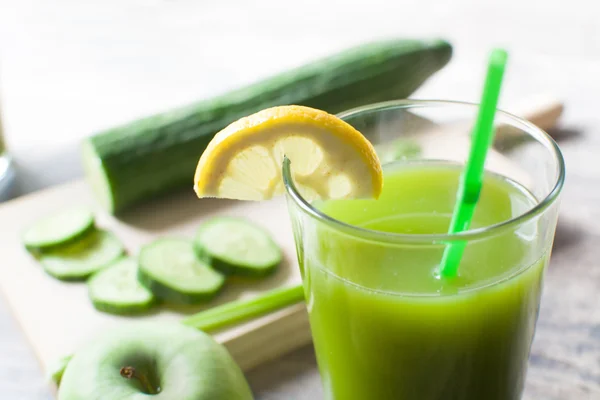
[157, 155]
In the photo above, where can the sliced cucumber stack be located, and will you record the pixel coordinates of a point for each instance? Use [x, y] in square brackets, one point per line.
[79, 260]
[237, 246]
[170, 268]
[58, 229]
[70, 247]
[116, 289]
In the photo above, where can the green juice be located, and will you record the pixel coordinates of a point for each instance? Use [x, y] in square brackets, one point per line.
[385, 326]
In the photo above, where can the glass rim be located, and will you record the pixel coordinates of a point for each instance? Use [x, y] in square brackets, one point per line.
[473, 234]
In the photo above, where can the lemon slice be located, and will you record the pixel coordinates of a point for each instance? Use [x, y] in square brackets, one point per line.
[329, 158]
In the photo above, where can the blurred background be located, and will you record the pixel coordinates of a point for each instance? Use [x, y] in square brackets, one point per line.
[70, 68]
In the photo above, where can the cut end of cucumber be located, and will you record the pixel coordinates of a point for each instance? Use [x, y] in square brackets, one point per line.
[237, 246]
[96, 176]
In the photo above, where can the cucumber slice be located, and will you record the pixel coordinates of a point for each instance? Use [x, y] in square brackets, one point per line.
[400, 149]
[116, 289]
[81, 259]
[237, 246]
[58, 229]
[170, 268]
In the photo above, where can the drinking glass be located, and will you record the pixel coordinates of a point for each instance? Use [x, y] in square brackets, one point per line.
[384, 324]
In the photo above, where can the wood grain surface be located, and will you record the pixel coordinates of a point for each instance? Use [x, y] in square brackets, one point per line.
[152, 62]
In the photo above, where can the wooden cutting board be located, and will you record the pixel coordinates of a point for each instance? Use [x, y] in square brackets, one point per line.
[57, 317]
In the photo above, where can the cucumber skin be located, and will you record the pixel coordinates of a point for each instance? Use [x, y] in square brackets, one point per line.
[230, 269]
[158, 154]
[124, 310]
[167, 294]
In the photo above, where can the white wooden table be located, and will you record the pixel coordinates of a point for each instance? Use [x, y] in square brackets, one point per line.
[71, 67]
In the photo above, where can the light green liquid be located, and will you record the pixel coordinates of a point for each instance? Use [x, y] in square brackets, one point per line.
[385, 327]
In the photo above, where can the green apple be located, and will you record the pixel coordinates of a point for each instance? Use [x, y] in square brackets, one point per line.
[166, 361]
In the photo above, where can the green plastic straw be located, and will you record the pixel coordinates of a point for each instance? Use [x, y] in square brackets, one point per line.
[472, 177]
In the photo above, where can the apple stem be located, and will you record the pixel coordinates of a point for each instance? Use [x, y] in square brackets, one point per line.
[131, 373]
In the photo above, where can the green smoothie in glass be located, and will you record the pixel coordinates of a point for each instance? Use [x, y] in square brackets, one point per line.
[385, 325]
[402, 332]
